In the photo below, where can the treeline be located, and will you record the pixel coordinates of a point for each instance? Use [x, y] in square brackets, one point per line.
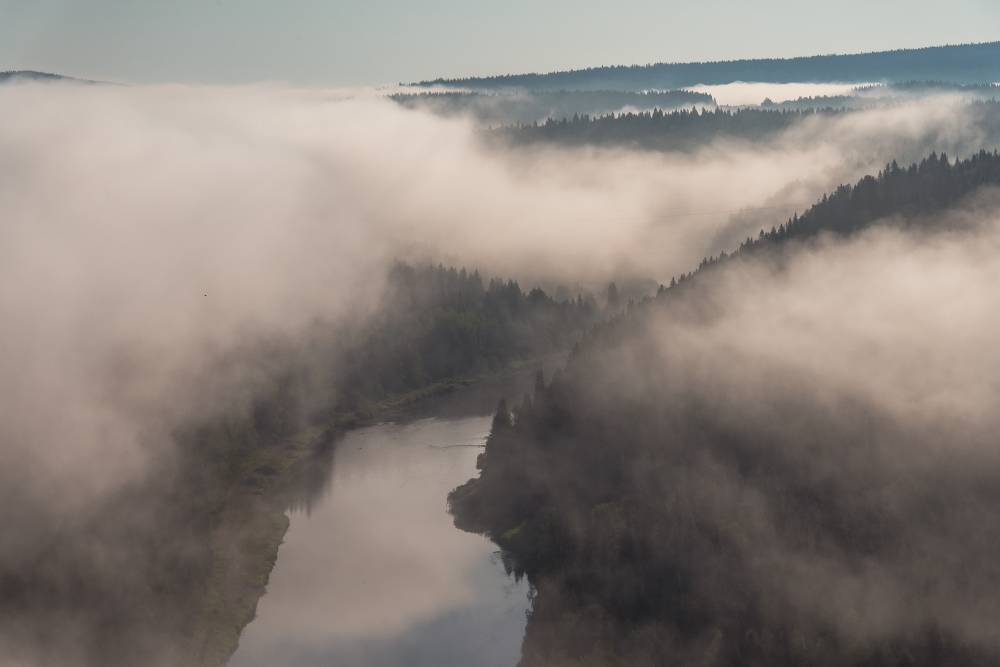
[967, 63]
[916, 194]
[30, 75]
[882, 94]
[173, 577]
[441, 322]
[930, 86]
[434, 324]
[660, 525]
[683, 130]
[668, 530]
[435, 330]
[658, 129]
[526, 108]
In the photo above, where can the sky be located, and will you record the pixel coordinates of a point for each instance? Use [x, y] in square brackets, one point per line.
[378, 42]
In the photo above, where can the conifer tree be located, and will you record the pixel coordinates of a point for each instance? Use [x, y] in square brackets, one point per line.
[539, 385]
[501, 418]
[612, 296]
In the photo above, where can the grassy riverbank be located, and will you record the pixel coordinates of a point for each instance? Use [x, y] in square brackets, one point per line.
[245, 547]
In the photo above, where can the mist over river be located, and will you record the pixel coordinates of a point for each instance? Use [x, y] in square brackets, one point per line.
[372, 570]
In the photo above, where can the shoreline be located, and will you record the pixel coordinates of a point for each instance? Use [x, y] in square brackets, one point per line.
[253, 521]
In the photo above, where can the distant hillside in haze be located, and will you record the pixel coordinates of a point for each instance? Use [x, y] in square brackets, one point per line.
[29, 75]
[967, 63]
[527, 107]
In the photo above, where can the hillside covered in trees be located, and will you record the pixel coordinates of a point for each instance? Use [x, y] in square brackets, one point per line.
[685, 130]
[679, 502]
[439, 323]
[912, 198]
[882, 94]
[176, 581]
[11, 76]
[658, 129]
[527, 108]
[966, 63]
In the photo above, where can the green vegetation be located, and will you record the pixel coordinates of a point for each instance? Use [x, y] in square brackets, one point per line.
[916, 194]
[686, 130]
[243, 559]
[640, 530]
[29, 75]
[888, 93]
[667, 526]
[508, 108]
[441, 323]
[966, 63]
[658, 129]
[200, 540]
[245, 541]
[439, 329]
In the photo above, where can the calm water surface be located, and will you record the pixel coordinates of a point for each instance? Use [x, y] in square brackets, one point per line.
[375, 573]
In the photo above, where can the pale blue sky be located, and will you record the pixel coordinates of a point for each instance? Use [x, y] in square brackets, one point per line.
[386, 41]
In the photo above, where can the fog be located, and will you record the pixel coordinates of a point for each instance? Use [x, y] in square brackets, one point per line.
[742, 93]
[897, 318]
[789, 458]
[494, 110]
[160, 241]
[865, 369]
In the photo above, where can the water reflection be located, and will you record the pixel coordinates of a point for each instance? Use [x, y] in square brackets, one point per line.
[307, 484]
[373, 572]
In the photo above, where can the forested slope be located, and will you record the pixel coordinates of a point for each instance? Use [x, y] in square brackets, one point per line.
[197, 544]
[525, 108]
[658, 129]
[966, 63]
[678, 503]
[685, 130]
[911, 197]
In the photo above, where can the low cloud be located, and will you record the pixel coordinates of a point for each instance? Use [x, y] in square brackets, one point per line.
[160, 244]
[863, 371]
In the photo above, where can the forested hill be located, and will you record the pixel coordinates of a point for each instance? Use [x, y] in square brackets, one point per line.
[440, 322]
[882, 94]
[916, 192]
[439, 328]
[509, 108]
[967, 63]
[657, 129]
[684, 130]
[30, 75]
[670, 508]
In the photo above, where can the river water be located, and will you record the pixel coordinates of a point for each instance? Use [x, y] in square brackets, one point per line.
[373, 572]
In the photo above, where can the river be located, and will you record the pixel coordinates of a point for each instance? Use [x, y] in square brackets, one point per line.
[373, 572]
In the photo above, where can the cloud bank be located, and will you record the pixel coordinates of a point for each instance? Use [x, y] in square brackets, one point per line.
[156, 239]
[862, 371]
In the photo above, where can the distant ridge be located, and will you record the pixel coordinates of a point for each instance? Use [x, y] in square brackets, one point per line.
[964, 63]
[31, 75]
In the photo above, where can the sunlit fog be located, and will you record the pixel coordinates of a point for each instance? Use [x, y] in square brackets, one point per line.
[684, 363]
